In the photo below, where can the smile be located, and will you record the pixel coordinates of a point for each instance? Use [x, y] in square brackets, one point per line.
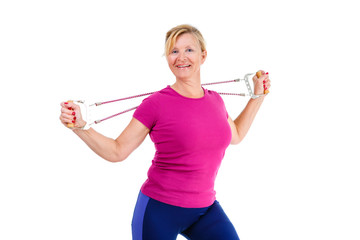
[183, 66]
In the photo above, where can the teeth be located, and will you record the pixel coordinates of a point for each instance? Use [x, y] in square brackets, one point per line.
[183, 66]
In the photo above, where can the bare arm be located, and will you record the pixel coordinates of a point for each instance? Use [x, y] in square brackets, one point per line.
[119, 149]
[113, 150]
[241, 125]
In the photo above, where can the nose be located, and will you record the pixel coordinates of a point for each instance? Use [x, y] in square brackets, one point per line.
[182, 56]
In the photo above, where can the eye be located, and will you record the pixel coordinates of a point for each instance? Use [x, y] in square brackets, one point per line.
[189, 50]
[174, 51]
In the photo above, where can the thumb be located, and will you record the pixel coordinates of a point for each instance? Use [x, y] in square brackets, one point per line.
[70, 105]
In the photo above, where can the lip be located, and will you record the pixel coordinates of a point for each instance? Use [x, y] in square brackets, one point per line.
[183, 66]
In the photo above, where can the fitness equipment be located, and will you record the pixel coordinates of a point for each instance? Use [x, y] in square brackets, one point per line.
[86, 108]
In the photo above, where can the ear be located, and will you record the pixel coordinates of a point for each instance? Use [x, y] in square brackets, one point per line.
[203, 56]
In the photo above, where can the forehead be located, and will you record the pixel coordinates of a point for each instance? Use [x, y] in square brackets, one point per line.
[186, 39]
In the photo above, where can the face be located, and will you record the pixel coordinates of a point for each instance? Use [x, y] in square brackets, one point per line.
[186, 57]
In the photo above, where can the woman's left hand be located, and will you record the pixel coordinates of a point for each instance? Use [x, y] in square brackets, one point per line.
[262, 83]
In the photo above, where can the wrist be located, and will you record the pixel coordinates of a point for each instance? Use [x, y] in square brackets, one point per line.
[82, 126]
[258, 99]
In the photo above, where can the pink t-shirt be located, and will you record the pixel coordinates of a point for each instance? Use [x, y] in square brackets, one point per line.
[190, 137]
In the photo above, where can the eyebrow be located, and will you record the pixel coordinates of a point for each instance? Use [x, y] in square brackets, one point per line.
[188, 46]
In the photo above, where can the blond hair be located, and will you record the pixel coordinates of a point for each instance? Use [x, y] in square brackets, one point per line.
[175, 32]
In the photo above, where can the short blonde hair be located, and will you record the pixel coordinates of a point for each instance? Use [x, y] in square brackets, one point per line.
[175, 32]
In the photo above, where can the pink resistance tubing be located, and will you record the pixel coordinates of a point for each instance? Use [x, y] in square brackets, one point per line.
[146, 94]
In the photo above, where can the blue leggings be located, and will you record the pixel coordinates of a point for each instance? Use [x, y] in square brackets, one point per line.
[154, 220]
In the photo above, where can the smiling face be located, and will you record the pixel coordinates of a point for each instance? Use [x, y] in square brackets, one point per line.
[186, 57]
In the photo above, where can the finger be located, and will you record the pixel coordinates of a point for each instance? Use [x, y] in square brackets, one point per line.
[70, 106]
[66, 104]
[264, 78]
[72, 122]
[267, 87]
[68, 111]
[66, 118]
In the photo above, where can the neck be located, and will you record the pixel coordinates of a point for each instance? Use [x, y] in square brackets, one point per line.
[189, 87]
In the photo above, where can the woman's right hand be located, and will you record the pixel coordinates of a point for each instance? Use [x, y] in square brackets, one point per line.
[71, 115]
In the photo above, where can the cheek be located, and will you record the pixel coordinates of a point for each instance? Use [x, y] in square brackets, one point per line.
[170, 63]
[170, 60]
[196, 60]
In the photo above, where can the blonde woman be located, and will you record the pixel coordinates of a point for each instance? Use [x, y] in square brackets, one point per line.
[191, 130]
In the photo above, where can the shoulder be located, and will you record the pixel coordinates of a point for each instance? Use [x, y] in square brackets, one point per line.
[159, 94]
[217, 100]
[155, 97]
[214, 95]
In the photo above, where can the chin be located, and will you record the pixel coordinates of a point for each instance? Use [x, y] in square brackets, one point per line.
[185, 75]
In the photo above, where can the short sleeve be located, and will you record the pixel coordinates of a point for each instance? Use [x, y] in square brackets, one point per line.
[146, 113]
[222, 104]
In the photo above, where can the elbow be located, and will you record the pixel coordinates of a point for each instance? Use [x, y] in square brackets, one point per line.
[237, 139]
[115, 158]
[235, 142]
[237, 132]
[117, 155]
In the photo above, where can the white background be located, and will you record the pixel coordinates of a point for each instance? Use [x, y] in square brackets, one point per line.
[295, 176]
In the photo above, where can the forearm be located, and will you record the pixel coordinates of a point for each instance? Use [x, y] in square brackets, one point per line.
[103, 146]
[247, 116]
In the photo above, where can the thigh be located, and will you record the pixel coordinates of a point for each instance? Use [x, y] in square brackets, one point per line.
[151, 222]
[154, 220]
[214, 225]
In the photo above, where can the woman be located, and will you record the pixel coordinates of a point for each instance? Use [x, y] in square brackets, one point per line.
[191, 130]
